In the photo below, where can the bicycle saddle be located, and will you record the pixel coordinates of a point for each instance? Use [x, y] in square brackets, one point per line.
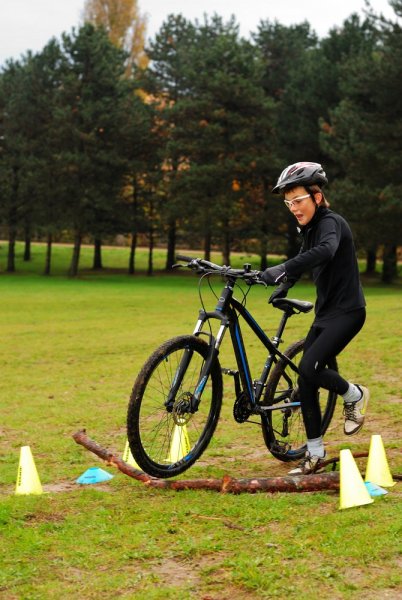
[292, 305]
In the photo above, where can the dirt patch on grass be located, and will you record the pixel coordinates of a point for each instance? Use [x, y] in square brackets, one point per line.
[364, 581]
[43, 517]
[387, 594]
[206, 573]
[62, 487]
[174, 572]
[69, 486]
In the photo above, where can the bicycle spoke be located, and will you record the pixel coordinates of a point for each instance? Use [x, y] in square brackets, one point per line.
[162, 434]
[283, 429]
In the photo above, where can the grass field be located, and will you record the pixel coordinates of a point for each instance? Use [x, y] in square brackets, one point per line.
[69, 354]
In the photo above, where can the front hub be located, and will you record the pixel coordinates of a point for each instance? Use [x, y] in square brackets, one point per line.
[182, 409]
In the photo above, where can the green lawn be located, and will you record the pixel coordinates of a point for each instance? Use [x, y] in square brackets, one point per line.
[70, 352]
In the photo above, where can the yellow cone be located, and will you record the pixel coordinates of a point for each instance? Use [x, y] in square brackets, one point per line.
[129, 458]
[180, 445]
[377, 465]
[353, 492]
[28, 481]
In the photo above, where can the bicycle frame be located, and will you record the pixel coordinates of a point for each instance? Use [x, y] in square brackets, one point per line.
[227, 311]
[177, 398]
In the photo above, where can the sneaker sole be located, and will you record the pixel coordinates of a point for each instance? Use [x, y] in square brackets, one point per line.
[354, 431]
[317, 470]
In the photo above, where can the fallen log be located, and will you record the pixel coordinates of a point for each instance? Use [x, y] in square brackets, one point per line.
[302, 483]
[81, 438]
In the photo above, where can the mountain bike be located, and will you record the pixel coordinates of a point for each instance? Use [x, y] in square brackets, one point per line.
[176, 399]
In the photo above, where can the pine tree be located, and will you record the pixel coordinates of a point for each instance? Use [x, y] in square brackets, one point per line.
[363, 136]
[91, 118]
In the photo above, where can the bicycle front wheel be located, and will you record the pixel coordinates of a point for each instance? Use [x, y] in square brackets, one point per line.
[166, 434]
[283, 428]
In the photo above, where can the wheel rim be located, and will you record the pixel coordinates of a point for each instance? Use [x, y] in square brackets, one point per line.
[287, 423]
[169, 437]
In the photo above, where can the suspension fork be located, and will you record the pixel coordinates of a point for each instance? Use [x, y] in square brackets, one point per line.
[214, 345]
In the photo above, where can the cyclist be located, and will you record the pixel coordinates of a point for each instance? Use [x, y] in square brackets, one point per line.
[328, 251]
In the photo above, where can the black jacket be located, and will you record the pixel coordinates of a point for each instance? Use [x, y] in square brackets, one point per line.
[328, 251]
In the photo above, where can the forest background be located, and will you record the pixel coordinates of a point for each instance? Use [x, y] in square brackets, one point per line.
[178, 144]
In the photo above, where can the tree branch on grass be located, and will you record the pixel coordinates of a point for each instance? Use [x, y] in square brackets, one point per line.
[304, 483]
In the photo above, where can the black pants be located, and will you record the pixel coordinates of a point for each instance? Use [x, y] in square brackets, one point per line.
[323, 342]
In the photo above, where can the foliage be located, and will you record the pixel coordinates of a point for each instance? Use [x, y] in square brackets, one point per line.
[363, 137]
[186, 150]
[219, 133]
[124, 25]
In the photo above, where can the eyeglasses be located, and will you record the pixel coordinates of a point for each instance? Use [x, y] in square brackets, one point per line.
[296, 201]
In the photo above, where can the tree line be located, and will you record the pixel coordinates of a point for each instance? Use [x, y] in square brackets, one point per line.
[183, 146]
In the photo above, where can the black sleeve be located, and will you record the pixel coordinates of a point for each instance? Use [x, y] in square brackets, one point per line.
[284, 287]
[327, 242]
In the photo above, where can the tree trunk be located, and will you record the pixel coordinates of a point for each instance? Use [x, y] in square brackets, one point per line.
[97, 264]
[207, 245]
[151, 252]
[131, 260]
[389, 268]
[133, 245]
[303, 483]
[48, 259]
[264, 225]
[171, 245]
[12, 237]
[263, 252]
[12, 223]
[75, 259]
[226, 246]
[27, 249]
[371, 260]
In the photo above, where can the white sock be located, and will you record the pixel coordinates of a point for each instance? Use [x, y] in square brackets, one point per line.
[353, 394]
[316, 447]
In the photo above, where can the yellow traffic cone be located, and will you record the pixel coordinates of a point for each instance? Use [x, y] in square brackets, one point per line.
[180, 445]
[129, 458]
[377, 465]
[28, 481]
[353, 492]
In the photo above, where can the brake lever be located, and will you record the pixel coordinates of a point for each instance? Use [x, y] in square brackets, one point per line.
[251, 279]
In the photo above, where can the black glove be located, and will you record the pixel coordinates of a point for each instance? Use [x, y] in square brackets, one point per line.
[274, 275]
[280, 292]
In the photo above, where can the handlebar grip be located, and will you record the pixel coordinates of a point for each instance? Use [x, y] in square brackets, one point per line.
[185, 258]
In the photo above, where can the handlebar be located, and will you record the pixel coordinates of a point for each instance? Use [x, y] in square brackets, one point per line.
[205, 266]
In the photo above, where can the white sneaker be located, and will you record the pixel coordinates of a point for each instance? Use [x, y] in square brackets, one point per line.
[355, 412]
[308, 465]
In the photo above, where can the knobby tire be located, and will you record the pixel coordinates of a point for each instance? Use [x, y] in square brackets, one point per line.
[283, 430]
[164, 443]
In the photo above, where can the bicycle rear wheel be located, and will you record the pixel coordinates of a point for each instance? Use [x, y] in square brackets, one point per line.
[167, 438]
[283, 429]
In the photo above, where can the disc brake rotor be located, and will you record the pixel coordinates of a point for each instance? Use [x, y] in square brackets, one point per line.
[182, 409]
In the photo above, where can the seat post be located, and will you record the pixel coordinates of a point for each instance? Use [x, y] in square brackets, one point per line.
[277, 339]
